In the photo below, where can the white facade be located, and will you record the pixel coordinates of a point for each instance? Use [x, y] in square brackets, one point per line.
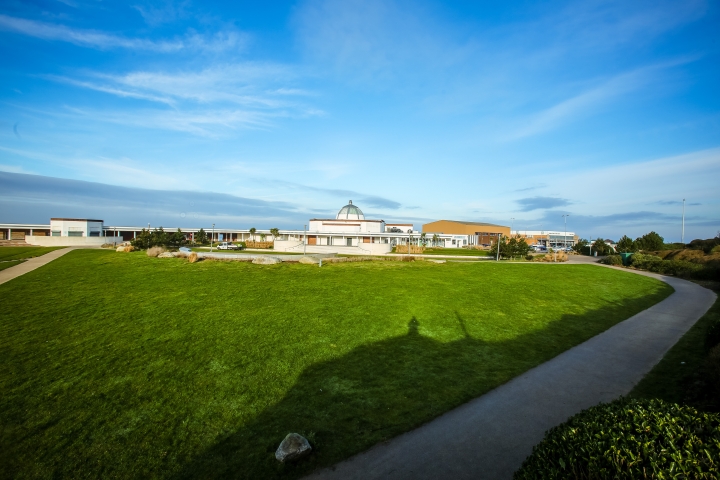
[75, 227]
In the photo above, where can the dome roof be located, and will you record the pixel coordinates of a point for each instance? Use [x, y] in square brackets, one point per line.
[350, 212]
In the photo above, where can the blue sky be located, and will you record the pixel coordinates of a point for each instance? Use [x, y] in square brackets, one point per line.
[247, 115]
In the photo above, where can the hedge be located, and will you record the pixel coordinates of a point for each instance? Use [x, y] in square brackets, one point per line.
[629, 439]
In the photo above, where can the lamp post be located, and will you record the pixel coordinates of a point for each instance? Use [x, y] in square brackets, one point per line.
[565, 235]
[212, 237]
[148, 235]
[305, 239]
[682, 237]
[512, 222]
[497, 259]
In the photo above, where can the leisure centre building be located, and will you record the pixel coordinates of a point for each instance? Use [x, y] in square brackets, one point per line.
[349, 232]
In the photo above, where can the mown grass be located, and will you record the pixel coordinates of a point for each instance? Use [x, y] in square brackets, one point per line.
[9, 263]
[128, 366]
[20, 253]
[679, 376]
[459, 252]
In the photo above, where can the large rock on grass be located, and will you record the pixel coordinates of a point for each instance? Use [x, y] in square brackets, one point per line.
[266, 261]
[293, 448]
[166, 255]
[309, 260]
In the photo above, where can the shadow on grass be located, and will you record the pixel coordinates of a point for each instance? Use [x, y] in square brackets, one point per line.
[377, 391]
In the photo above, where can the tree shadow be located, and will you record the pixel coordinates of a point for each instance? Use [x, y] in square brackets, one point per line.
[377, 391]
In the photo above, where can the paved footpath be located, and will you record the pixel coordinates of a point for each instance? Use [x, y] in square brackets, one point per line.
[31, 264]
[490, 436]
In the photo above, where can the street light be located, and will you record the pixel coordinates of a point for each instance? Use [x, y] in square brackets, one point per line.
[565, 236]
[305, 239]
[212, 238]
[682, 238]
[148, 246]
[512, 222]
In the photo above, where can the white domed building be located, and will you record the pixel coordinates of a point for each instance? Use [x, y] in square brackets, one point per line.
[349, 232]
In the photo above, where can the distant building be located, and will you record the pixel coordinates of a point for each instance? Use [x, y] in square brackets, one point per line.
[467, 233]
[552, 239]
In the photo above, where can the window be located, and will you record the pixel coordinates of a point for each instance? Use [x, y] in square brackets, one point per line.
[55, 233]
[349, 242]
[94, 234]
[75, 234]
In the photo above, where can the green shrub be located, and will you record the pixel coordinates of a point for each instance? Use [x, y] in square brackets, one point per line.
[640, 260]
[712, 337]
[612, 260]
[629, 439]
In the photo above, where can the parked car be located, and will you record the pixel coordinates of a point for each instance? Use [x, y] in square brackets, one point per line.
[185, 250]
[228, 246]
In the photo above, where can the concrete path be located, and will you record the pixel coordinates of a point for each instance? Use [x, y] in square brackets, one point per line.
[31, 264]
[490, 436]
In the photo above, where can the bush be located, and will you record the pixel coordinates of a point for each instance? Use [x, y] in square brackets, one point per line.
[712, 337]
[629, 439]
[643, 261]
[155, 251]
[612, 260]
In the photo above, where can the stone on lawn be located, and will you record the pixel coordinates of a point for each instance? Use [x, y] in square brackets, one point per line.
[292, 448]
[309, 260]
[166, 255]
[265, 260]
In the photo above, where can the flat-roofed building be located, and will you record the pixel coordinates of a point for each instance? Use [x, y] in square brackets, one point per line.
[474, 233]
[547, 238]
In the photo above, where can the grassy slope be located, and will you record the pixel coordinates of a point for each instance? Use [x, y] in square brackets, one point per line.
[142, 367]
[675, 381]
[19, 253]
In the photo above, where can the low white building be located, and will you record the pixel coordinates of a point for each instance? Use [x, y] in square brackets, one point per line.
[75, 227]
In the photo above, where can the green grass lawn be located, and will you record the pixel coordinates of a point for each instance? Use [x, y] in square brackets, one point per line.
[120, 365]
[248, 252]
[10, 263]
[19, 253]
[460, 252]
[679, 377]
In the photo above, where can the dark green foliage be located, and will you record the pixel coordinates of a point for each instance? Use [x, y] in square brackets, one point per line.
[629, 439]
[515, 247]
[177, 239]
[650, 241]
[644, 262]
[581, 246]
[142, 239]
[705, 245]
[612, 260]
[601, 247]
[626, 245]
[712, 337]
[155, 238]
[201, 237]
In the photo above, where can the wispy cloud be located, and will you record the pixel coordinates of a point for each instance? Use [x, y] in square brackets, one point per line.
[590, 100]
[541, 203]
[208, 102]
[358, 197]
[193, 41]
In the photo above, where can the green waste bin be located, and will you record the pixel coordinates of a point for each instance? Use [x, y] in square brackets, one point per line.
[626, 258]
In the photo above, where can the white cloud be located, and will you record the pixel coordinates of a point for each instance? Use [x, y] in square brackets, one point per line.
[587, 102]
[97, 39]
